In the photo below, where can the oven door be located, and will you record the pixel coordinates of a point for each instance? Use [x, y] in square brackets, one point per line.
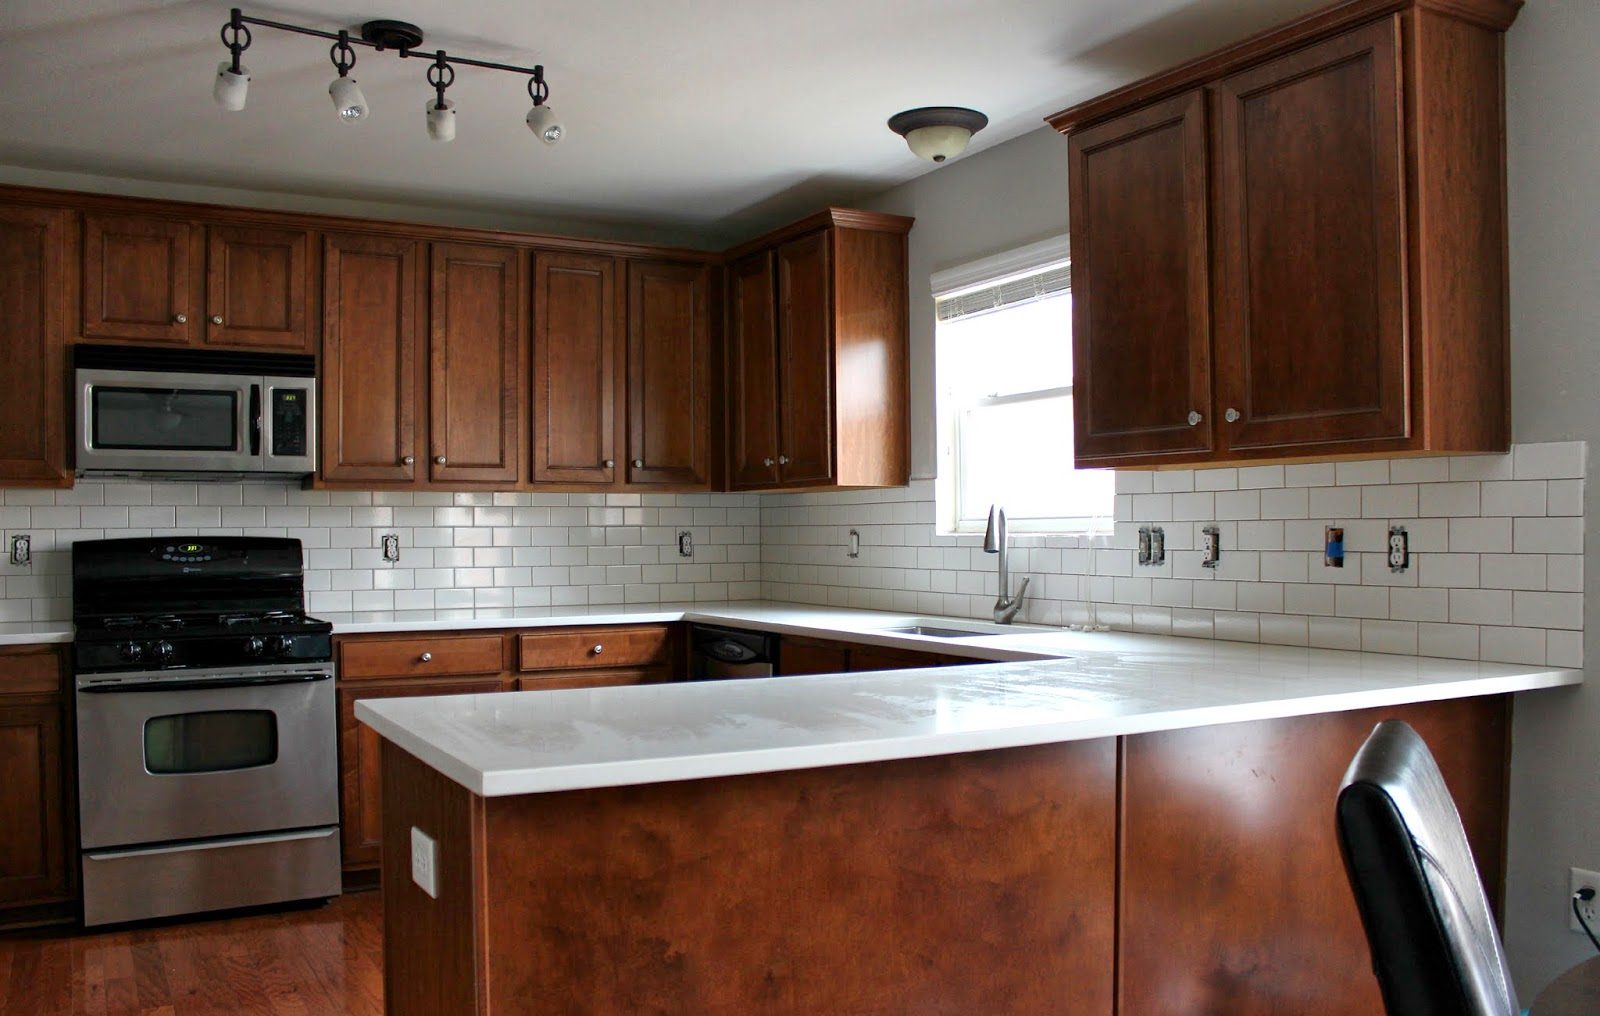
[154, 421]
[180, 755]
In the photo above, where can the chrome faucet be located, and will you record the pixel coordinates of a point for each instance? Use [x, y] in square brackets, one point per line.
[994, 542]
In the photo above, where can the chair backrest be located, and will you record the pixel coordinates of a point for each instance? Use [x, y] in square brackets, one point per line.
[1434, 944]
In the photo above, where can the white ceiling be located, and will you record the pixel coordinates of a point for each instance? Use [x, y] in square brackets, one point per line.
[722, 116]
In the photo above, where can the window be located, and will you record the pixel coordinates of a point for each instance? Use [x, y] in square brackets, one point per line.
[1004, 369]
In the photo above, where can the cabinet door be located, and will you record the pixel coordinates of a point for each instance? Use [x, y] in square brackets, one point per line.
[33, 851]
[805, 360]
[812, 656]
[574, 368]
[1311, 298]
[555, 679]
[33, 417]
[369, 348]
[136, 282]
[475, 395]
[360, 783]
[669, 351]
[256, 288]
[1141, 300]
[752, 374]
[863, 658]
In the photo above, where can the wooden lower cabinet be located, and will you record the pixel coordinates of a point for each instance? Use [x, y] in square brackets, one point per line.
[361, 821]
[798, 655]
[864, 658]
[556, 679]
[35, 760]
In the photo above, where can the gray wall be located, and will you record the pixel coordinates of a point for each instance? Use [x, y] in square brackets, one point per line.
[1016, 193]
[1553, 126]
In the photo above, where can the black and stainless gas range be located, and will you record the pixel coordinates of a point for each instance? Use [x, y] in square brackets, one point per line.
[207, 766]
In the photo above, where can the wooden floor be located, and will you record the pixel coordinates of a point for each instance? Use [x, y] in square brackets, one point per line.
[323, 961]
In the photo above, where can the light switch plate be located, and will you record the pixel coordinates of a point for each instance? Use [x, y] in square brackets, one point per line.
[425, 862]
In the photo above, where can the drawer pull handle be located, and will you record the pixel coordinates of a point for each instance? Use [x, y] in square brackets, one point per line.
[598, 649]
[427, 657]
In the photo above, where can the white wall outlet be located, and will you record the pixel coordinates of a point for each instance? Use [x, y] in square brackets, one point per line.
[425, 862]
[1399, 549]
[1210, 547]
[21, 549]
[1578, 878]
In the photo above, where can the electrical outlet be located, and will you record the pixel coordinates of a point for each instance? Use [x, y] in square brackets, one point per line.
[21, 549]
[1333, 547]
[425, 862]
[1158, 546]
[1144, 545]
[853, 549]
[1399, 549]
[391, 547]
[1211, 548]
[1578, 878]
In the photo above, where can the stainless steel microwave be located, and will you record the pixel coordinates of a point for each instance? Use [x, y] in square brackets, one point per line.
[194, 413]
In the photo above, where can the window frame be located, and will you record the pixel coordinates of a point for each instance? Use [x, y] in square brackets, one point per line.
[1046, 255]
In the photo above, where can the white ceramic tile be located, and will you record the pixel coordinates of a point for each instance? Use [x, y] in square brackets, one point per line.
[1226, 478]
[1511, 645]
[1389, 637]
[1173, 481]
[1547, 610]
[1438, 500]
[1361, 473]
[1514, 497]
[1480, 606]
[1395, 501]
[1556, 460]
[1419, 470]
[1419, 604]
[1454, 641]
[1548, 536]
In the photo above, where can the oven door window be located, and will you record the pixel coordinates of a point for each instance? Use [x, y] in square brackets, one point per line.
[181, 419]
[211, 742]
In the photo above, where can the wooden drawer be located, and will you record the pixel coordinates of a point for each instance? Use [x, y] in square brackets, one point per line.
[30, 670]
[420, 657]
[554, 679]
[633, 646]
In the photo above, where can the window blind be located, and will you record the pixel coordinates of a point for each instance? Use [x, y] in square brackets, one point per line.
[1012, 292]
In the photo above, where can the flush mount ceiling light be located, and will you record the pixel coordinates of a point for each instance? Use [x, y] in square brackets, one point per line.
[937, 133]
[232, 83]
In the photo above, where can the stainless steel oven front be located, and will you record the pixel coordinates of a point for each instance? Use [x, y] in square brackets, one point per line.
[186, 754]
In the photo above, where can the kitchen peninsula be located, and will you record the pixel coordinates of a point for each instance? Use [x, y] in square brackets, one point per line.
[1104, 817]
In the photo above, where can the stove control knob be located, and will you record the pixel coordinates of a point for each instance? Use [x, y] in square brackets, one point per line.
[255, 645]
[282, 645]
[131, 651]
[163, 652]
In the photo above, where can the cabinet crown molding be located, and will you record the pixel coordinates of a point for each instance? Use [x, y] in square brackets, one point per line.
[1493, 14]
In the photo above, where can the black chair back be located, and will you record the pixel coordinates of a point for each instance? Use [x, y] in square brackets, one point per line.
[1434, 945]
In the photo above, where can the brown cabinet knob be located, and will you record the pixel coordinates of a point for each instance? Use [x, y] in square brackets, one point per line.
[216, 319]
[408, 460]
[181, 319]
[598, 649]
[427, 657]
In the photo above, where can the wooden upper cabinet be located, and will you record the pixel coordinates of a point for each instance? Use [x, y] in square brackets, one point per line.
[817, 364]
[1312, 258]
[475, 348]
[1356, 253]
[33, 414]
[256, 283]
[805, 360]
[752, 373]
[575, 313]
[369, 352]
[136, 279]
[1141, 354]
[669, 374]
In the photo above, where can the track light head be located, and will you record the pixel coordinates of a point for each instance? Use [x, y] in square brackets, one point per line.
[231, 87]
[441, 119]
[542, 120]
[348, 100]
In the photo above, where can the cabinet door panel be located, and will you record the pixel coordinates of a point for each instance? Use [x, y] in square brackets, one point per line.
[1311, 307]
[361, 789]
[33, 418]
[574, 368]
[256, 285]
[812, 656]
[669, 349]
[136, 282]
[369, 341]
[1141, 292]
[864, 658]
[752, 373]
[553, 680]
[805, 360]
[474, 345]
[33, 851]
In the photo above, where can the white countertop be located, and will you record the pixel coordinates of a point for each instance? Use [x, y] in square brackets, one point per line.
[1064, 686]
[34, 633]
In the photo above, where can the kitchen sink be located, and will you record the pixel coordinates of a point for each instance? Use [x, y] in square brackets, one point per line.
[946, 630]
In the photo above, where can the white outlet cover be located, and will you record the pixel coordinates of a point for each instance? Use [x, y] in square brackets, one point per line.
[1591, 910]
[425, 862]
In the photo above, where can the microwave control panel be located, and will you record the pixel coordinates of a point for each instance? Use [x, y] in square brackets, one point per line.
[289, 421]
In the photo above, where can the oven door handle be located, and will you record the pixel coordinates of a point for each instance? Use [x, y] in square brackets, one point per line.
[235, 682]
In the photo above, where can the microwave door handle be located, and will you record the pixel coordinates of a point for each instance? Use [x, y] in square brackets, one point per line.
[255, 421]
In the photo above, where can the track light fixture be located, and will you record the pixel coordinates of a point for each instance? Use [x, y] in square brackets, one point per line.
[233, 79]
